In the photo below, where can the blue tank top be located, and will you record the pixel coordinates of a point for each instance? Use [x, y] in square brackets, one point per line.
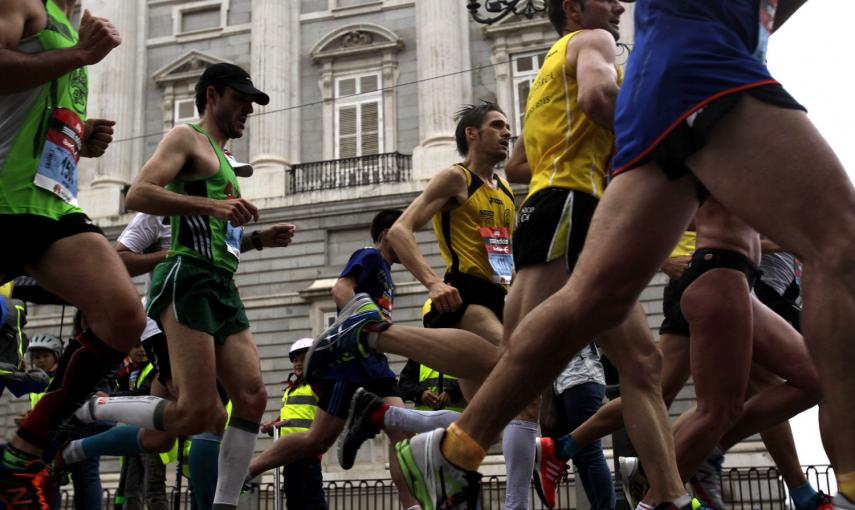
[686, 54]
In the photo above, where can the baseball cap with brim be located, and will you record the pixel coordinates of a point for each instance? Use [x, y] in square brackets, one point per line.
[241, 169]
[234, 77]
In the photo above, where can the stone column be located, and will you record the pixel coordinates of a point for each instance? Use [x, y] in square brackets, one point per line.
[442, 39]
[116, 87]
[274, 137]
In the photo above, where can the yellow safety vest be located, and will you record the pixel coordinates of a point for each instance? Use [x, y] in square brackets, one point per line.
[143, 374]
[299, 406]
[430, 378]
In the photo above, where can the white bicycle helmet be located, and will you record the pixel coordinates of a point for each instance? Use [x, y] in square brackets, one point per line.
[302, 344]
[46, 342]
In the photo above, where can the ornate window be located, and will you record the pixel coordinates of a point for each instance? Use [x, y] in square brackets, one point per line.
[200, 16]
[185, 111]
[524, 70]
[518, 49]
[359, 68]
[178, 81]
[358, 116]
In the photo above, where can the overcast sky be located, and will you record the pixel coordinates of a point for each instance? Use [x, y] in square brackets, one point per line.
[812, 56]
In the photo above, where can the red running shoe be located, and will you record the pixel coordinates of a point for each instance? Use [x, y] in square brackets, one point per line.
[548, 470]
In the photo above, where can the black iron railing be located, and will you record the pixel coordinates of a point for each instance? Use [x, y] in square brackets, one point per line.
[349, 172]
[743, 489]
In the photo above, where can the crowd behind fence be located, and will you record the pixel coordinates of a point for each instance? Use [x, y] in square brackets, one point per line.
[755, 488]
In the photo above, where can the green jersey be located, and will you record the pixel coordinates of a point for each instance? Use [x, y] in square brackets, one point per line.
[206, 237]
[38, 170]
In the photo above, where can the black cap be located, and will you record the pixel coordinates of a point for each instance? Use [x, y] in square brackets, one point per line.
[234, 77]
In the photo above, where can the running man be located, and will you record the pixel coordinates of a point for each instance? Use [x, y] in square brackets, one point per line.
[565, 158]
[193, 295]
[43, 133]
[368, 273]
[704, 120]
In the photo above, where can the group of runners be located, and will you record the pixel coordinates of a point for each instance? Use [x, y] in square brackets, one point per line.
[696, 132]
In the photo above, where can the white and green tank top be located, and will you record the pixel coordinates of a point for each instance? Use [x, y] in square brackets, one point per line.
[41, 131]
[206, 237]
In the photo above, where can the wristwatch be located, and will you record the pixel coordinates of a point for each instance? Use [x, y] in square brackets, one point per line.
[255, 237]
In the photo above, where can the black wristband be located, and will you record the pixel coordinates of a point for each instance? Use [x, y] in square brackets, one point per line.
[255, 237]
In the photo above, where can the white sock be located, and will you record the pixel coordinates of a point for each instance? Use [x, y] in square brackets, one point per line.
[73, 452]
[518, 445]
[644, 506]
[235, 453]
[142, 411]
[410, 420]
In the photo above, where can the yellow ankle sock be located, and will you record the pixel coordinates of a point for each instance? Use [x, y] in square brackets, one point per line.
[846, 484]
[461, 450]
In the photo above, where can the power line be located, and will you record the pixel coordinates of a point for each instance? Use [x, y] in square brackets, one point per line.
[384, 89]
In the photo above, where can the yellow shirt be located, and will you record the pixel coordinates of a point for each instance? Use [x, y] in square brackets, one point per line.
[564, 148]
[475, 238]
[686, 246]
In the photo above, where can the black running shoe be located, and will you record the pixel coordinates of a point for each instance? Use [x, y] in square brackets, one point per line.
[359, 427]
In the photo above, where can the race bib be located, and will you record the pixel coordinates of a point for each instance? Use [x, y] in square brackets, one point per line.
[767, 24]
[57, 170]
[233, 237]
[497, 241]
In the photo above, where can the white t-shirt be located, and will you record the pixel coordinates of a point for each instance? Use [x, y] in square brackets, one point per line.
[144, 231]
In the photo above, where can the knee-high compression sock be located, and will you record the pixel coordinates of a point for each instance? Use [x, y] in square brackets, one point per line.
[83, 365]
[118, 441]
[518, 445]
[805, 497]
[410, 420]
[233, 462]
[566, 447]
[204, 451]
[143, 411]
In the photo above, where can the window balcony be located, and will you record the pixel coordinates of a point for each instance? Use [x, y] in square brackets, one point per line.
[349, 172]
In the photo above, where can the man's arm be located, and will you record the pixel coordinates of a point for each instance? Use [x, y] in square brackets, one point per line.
[147, 193]
[517, 169]
[446, 188]
[592, 55]
[23, 71]
[277, 236]
[139, 263]
[343, 290]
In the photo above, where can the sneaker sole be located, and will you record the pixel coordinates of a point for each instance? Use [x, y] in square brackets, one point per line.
[412, 475]
[321, 343]
[351, 412]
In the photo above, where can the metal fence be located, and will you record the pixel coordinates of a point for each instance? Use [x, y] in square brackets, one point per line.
[349, 172]
[756, 488]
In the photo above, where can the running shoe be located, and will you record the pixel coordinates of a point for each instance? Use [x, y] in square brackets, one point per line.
[340, 343]
[706, 483]
[632, 480]
[841, 502]
[29, 489]
[824, 501]
[436, 483]
[548, 470]
[359, 427]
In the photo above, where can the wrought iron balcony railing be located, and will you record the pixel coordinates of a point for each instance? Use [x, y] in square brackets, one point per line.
[349, 172]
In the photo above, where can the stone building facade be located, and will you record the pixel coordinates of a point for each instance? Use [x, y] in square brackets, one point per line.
[363, 94]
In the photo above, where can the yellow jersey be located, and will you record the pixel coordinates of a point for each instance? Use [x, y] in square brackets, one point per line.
[686, 246]
[564, 148]
[475, 238]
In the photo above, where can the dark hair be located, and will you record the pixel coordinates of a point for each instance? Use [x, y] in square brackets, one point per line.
[557, 16]
[470, 115]
[383, 220]
[202, 96]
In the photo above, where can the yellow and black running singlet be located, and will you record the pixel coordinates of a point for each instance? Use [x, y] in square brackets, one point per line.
[475, 238]
[564, 148]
